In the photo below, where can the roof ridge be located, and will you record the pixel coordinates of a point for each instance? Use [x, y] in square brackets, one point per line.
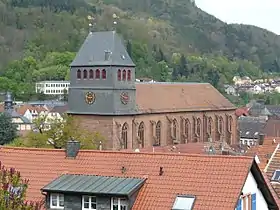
[129, 152]
[271, 158]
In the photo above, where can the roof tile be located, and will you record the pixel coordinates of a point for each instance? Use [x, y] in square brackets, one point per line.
[209, 178]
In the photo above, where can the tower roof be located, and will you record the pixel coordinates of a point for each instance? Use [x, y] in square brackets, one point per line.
[102, 48]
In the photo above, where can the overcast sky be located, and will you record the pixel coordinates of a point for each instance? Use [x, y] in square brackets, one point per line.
[262, 13]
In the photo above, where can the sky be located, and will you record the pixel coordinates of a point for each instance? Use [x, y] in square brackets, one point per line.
[261, 13]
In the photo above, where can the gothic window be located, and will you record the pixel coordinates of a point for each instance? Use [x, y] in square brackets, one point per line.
[221, 124]
[210, 125]
[230, 122]
[198, 126]
[91, 74]
[97, 74]
[85, 74]
[119, 75]
[104, 75]
[158, 133]
[187, 128]
[124, 135]
[141, 134]
[79, 74]
[124, 75]
[174, 128]
[128, 75]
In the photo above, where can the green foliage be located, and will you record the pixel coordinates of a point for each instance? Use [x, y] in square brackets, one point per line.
[167, 40]
[13, 191]
[8, 130]
[55, 132]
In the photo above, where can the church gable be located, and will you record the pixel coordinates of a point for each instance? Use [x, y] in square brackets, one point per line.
[176, 97]
[103, 48]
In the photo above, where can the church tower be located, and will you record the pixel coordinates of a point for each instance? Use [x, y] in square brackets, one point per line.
[102, 77]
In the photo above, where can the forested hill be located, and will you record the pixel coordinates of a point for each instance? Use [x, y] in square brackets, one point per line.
[168, 40]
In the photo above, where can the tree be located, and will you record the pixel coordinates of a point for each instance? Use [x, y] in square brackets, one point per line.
[213, 77]
[8, 130]
[13, 191]
[55, 133]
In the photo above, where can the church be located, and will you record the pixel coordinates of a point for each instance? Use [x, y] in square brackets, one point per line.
[104, 98]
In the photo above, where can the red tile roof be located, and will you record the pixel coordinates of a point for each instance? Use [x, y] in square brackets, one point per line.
[243, 111]
[216, 181]
[150, 97]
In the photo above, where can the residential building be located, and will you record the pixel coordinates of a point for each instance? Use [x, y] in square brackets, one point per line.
[31, 112]
[104, 97]
[251, 130]
[52, 87]
[151, 180]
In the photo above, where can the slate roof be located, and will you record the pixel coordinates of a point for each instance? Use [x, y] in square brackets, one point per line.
[250, 128]
[152, 97]
[92, 51]
[272, 128]
[216, 181]
[118, 186]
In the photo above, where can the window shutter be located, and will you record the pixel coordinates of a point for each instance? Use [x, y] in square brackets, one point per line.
[239, 205]
[254, 201]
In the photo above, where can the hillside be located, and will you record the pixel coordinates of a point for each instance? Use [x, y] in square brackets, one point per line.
[169, 40]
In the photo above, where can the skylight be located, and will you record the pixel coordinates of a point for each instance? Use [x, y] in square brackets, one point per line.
[247, 133]
[184, 202]
[276, 176]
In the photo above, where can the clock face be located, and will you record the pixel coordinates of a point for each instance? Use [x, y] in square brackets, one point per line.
[124, 98]
[90, 97]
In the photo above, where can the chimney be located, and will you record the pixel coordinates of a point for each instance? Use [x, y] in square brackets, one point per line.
[72, 149]
[107, 55]
[261, 139]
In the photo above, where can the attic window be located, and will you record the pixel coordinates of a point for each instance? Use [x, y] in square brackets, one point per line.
[184, 202]
[256, 133]
[276, 176]
[247, 133]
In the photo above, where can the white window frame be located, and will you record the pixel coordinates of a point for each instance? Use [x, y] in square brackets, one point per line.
[119, 202]
[58, 201]
[90, 202]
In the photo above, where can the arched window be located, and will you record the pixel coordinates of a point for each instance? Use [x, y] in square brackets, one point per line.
[97, 74]
[124, 135]
[174, 128]
[141, 134]
[187, 128]
[221, 124]
[85, 74]
[128, 75]
[123, 75]
[119, 75]
[79, 74]
[91, 74]
[198, 126]
[158, 133]
[230, 122]
[210, 125]
[104, 74]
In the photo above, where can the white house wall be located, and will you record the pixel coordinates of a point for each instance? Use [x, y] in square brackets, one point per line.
[250, 187]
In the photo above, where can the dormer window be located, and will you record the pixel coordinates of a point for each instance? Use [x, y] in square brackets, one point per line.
[97, 74]
[104, 74]
[119, 204]
[119, 75]
[85, 74]
[79, 74]
[124, 75]
[128, 75]
[89, 202]
[56, 201]
[91, 74]
[276, 176]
